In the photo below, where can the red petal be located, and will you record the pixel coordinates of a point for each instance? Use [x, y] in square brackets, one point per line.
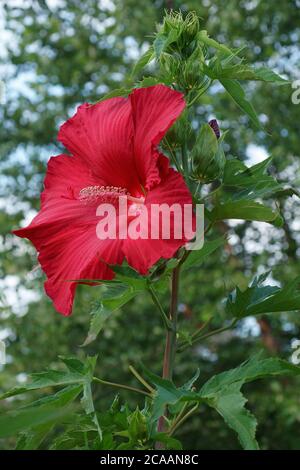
[72, 255]
[154, 111]
[102, 135]
[142, 254]
[64, 233]
[66, 175]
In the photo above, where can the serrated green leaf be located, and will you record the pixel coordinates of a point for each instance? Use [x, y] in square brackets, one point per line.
[147, 57]
[127, 284]
[53, 378]
[252, 369]
[16, 421]
[218, 69]
[197, 257]
[249, 182]
[50, 378]
[128, 274]
[242, 182]
[60, 398]
[32, 439]
[99, 318]
[259, 298]
[222, 392]
[267, 75]
[245, 209]
[235, 90]
[230, 404]
[74, 365]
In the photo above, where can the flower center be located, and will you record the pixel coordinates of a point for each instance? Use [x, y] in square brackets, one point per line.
[108, 194]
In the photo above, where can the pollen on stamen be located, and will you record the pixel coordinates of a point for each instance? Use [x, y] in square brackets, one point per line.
[105, 194]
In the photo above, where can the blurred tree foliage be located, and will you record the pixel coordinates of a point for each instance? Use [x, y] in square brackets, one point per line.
[61, 53]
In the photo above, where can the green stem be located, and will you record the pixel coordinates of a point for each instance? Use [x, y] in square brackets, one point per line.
[125, 387]
[170, 348]
[141, 379]
[179, 416]
[212, 193]
[201, 328]
[202, 91]
[180, 421]
[173, 156]
[188, 252]
[165, 319]
[184, 160]
[184, 346]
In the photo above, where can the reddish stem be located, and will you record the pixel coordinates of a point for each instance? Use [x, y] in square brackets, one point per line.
[170, 348]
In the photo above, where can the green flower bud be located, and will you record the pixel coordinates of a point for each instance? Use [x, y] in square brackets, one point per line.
[178, 33]
[180, 131]
[191, 75]
[172, 20]
[171, 65]
[208, 157]
[192, 26]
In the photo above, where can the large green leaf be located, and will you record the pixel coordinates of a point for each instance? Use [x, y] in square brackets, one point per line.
[49, 378]
[252, 369]
[16, 421]
[220, 69]
[86, 371]
[126, 285]
[77, 373]
[266, 75]
[259, 298]
[197, 257]
[245, 209]
[222, 392]
[32, 438]
[237, 93]
[251, 182]
[230, 404]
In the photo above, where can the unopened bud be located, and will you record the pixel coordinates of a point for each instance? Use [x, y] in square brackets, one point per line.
[191, 24]
[180, 131]
[215, 127]
[207, 155]
[179, 32]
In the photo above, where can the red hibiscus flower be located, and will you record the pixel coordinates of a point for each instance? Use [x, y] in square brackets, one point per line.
[113, 147]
